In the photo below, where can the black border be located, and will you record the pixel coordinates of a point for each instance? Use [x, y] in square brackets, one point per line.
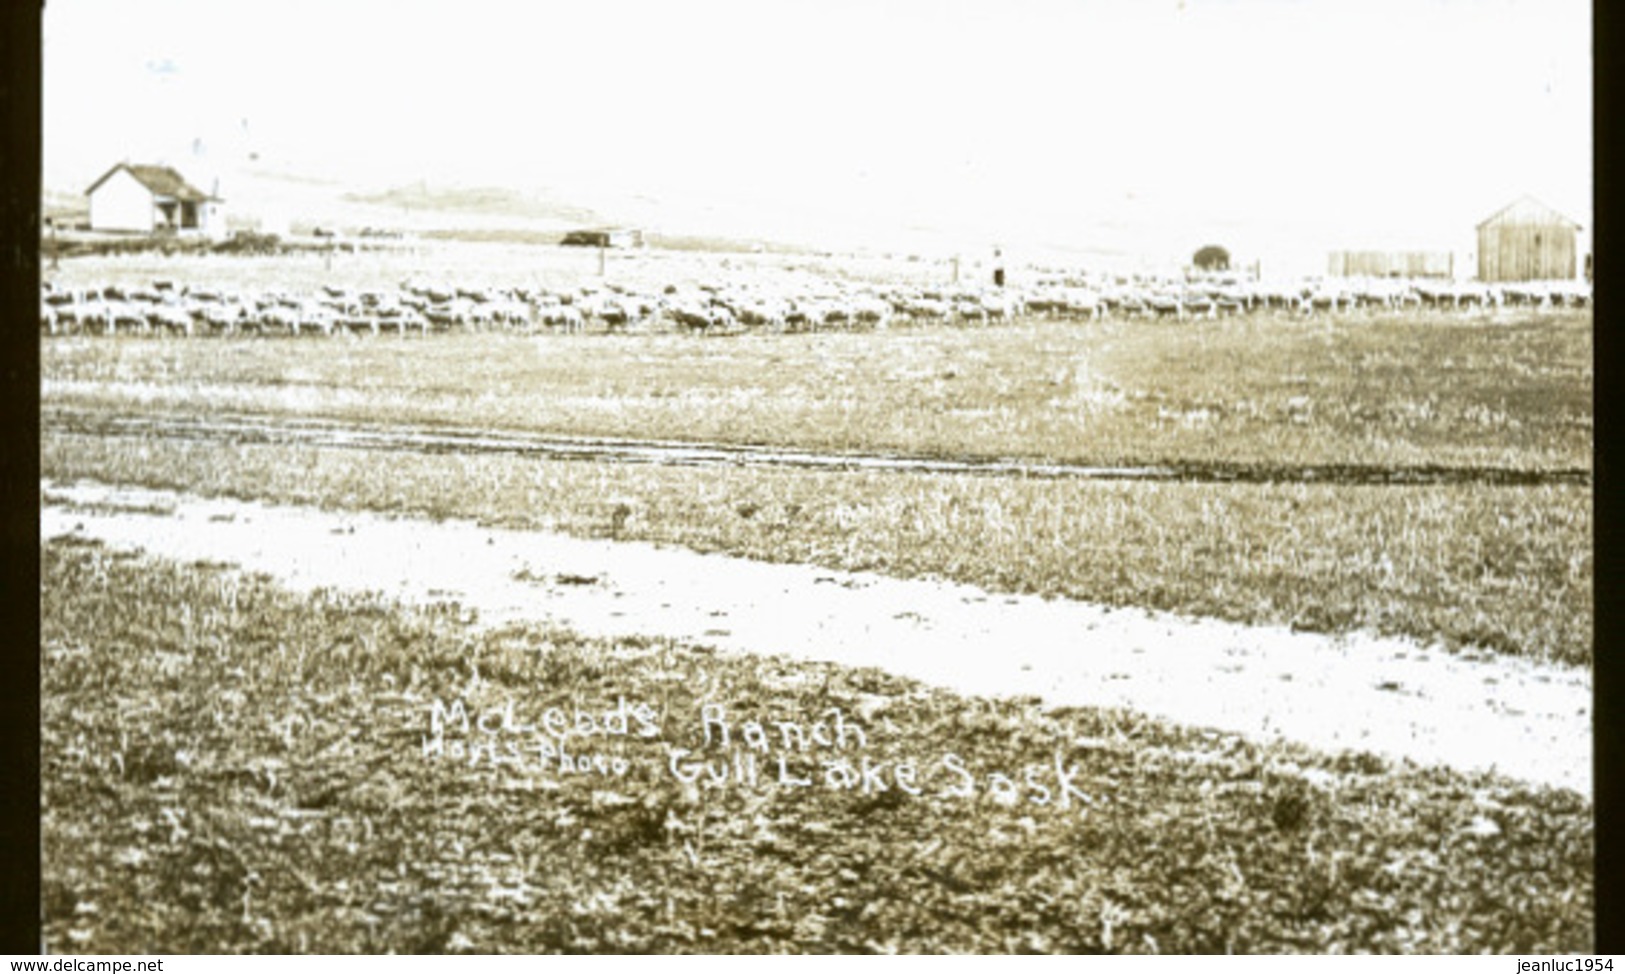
[20, 162]
[1609, 516]
[20, 96]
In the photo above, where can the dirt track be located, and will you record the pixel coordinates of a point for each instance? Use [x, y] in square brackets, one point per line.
[442, 440]
[1529, 721]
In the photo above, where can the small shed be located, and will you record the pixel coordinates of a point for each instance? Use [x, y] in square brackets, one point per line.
[617, 237]
[145, 199]
[1527, 241]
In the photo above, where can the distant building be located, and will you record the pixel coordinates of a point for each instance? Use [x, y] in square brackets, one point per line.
[617, 237]
[147, 199]
[1390, 263]
[1527, 241]
[256, 220]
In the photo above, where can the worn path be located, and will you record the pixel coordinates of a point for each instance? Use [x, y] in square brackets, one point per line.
[1392, 697]
[395, 437]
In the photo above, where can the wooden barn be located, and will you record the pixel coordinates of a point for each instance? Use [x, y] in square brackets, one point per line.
[1527, 241]
[144, 199]
[1391, 263]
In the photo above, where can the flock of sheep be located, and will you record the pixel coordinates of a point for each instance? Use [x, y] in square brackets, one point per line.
[740, 305]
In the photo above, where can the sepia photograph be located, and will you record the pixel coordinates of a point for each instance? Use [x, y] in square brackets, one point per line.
[854, 477]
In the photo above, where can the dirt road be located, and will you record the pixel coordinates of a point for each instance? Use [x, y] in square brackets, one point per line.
[1391, 697]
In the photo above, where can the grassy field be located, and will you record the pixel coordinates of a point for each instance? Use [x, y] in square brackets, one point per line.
[232, 768]
[1502, 568]
[1513, 392]
[1508, 569]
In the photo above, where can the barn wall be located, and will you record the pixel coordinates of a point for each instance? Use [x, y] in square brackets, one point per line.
[1527, 251]
[121, 203]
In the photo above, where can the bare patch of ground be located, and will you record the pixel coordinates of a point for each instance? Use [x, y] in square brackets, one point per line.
[1396, 698]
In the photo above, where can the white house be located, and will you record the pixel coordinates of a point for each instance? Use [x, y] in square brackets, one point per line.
[144, 199]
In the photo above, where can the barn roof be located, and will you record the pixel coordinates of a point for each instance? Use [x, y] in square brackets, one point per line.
[1526, 209]
[159, 180]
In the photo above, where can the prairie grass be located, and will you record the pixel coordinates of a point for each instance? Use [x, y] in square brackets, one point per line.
[232, 768]
[1512, 391]
[1507, 569]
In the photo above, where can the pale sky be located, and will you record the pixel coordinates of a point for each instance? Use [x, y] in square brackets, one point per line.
[1361, 121]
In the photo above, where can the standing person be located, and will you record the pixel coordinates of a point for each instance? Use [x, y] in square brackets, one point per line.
[998, 268]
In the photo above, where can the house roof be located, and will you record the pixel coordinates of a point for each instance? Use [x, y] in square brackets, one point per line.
[1526, 209]
[159, 180]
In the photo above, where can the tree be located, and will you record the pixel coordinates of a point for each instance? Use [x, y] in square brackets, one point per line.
[1212, 258]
